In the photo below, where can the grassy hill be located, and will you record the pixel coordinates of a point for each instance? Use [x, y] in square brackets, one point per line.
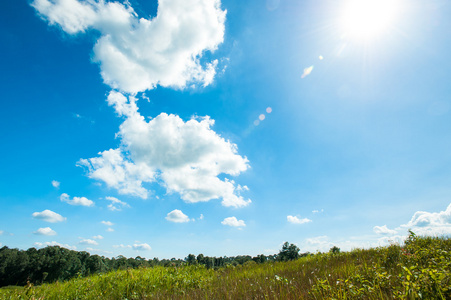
[420, 269]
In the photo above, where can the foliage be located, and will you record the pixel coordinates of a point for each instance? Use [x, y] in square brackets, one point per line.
[54, 263]
[288, 252]
[421, 269]
[334, 250]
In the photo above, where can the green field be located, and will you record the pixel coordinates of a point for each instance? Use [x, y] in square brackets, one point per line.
[420, 269]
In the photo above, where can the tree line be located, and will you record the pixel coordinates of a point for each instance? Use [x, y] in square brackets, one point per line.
[53, 263]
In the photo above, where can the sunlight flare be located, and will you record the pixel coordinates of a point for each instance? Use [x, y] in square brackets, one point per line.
[364, 19]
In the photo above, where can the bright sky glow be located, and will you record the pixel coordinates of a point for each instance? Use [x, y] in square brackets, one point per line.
[367, 18]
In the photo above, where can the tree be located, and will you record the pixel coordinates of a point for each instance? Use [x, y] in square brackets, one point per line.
[200, 259]
[191, 259]
[334, 250]
[259, 258]
[288, 252]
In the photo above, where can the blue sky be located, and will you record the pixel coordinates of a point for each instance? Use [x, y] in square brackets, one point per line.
[166, 128]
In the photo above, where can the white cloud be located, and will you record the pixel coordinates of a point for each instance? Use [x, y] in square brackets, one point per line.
[79, 201]
[422, 223]
[201, 217]
[87, 242]
[177, 216]
[136, 54]
[119, 172]
[45, 231]
[108, 223]
[1, 232]
[141, 247]
[384, 230]
[323, 243]
[317, 211]
[137, 246]
[116, 204]
[232, 221]
[187, 156]
[53, 243]
[122, 246]
[389, 240]
[317, 240]
[319, 243]
[98, 251]
[48, 216]
[98, 237]
[296, 220]
[56, 184]
[435, 223]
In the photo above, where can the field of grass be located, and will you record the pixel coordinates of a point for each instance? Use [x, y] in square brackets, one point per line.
[420, 269]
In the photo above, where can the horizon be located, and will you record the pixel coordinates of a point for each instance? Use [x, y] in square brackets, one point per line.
[174, 127]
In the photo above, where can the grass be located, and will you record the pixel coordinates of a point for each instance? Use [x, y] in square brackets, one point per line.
[421, 269]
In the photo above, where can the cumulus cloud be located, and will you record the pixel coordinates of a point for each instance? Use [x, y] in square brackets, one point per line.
[141, 247]
[116, 204]
[53, 243]
[384, 230]
[108, 223]
[119, 172]
[232, 221]
[427, 223]
[45, 231]
[187, 157]
[79, 201]
[98, 237]
[296, 220]
[422, 223]
[177, 216]
[48, 216]
[136, 54]
[392, 239]
[87, 242]
[56, 184]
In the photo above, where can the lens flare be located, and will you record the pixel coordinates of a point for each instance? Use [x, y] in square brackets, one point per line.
[307, 72]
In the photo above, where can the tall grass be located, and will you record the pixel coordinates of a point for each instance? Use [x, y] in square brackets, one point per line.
[419, 270]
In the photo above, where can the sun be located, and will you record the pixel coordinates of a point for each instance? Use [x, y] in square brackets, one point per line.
[366, 19]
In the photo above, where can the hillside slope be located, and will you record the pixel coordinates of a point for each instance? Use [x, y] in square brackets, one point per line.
[420, 269]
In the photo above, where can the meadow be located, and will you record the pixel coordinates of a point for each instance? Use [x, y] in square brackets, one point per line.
[419, 269]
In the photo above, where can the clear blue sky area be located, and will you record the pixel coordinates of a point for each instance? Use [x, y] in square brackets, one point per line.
[164, 128]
